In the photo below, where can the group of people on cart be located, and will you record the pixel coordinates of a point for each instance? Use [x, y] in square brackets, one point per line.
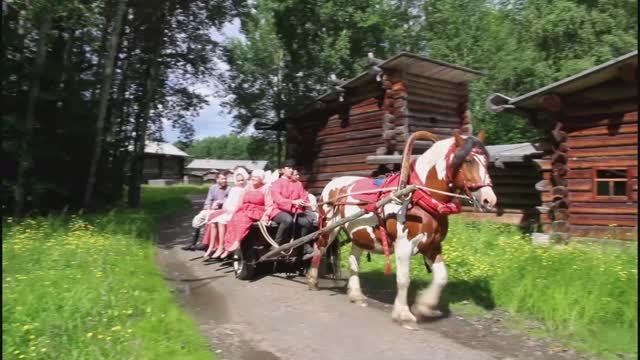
[229, 212]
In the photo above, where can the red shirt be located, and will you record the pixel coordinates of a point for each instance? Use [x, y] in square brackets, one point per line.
[283, 192]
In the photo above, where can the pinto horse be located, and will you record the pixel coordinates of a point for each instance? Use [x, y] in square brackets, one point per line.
[455, 165]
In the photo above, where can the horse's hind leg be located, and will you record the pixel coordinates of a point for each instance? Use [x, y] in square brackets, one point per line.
[354, 292]
[427, 299]
[319, 249]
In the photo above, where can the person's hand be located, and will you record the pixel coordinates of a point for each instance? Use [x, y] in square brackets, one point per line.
[299, 202]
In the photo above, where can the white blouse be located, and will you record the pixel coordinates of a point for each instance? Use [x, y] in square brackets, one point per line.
[234, 199]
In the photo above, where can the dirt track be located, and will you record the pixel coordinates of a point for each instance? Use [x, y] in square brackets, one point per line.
[276, 317]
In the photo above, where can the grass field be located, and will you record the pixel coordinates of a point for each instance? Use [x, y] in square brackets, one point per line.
[586, 295]
[87, 287]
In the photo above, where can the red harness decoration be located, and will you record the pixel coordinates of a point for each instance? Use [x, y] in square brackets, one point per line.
[421, 197]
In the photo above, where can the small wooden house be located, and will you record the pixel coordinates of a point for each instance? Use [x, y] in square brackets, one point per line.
[360, 126]
[203, 166]
[163, 161]
[590, 165]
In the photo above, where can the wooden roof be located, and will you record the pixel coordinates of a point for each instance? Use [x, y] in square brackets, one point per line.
[162, 148]
[366, 81]
[411, 63]
[610, 82]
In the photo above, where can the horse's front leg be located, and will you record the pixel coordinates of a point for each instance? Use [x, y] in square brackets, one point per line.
[403, 249]
[427, 299]
[354, 291]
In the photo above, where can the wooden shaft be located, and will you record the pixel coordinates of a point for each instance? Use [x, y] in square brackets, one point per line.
[406, 156]
[313, 235]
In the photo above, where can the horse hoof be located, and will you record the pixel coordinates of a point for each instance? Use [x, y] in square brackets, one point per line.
[360, 302]
[403, 316]
[427, 312]
[358, 299]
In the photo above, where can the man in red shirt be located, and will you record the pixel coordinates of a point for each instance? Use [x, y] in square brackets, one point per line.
[289, 201]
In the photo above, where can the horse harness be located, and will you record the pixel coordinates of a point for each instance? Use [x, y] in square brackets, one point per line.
[421, 197]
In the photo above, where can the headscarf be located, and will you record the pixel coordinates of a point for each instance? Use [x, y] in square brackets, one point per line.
[240, 171]
[258, 173]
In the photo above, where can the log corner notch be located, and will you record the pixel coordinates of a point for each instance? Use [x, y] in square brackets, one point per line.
[394, 93]
[559, 209]
[345, 108]
[552, 103]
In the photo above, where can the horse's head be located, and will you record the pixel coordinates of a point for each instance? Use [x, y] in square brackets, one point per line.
[468, 169]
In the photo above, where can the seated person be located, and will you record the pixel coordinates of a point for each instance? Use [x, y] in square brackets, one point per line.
[219, 222]
[216, 196]
[289, 201]
[251, 210]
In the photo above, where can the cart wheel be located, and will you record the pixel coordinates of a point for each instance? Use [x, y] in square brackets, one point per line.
[243, 263]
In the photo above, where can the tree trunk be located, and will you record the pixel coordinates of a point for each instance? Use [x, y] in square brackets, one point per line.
[142, 118]
[24, 161]
[278, 149]
[105, 91]
[66, 60]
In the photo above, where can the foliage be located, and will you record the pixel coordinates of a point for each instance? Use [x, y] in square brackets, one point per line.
[292, 46]
[233, 147]
[520, 45]
[54, 67]
[87, 287]
[585, 294]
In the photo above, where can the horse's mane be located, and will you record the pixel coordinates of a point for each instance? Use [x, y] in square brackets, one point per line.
[469, 144]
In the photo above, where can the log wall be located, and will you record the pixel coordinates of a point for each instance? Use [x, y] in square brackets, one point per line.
[342, 151]
[597, 142]
[380, 126]
[437, 106]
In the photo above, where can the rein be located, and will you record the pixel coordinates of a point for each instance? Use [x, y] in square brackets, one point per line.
[428, 189]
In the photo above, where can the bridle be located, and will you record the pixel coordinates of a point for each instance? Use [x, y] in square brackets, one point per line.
[453, 171]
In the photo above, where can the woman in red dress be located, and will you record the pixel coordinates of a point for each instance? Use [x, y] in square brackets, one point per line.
[251, 210]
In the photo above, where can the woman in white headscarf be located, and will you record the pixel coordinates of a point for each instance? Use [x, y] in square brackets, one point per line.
[219, 223]
[251, 210]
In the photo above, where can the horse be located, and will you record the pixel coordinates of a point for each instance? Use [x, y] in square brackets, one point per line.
[455, 165]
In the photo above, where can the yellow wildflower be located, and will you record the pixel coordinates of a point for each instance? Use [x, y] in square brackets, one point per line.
[89, 334]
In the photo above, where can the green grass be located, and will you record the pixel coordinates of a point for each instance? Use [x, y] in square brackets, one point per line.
[586, 295]
[87, 287]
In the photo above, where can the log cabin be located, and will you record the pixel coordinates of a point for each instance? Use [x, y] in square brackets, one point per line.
[589, 185]
[163, 161]
[360, 126]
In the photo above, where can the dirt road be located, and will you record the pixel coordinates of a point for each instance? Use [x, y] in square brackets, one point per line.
[276, 317]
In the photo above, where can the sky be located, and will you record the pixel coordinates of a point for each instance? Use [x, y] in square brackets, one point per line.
[213, 120]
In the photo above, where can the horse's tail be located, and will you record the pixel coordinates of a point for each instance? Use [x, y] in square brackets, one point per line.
[406, 155]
